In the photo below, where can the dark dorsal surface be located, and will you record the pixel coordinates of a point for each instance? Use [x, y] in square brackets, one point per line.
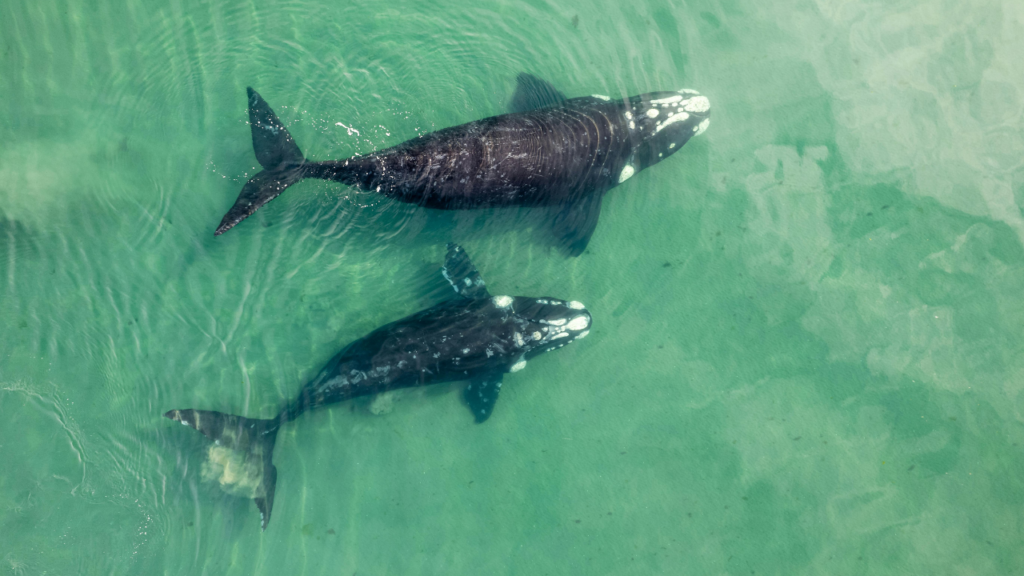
[539, 157]
[451, 341]
[473, 336]
[549, 151]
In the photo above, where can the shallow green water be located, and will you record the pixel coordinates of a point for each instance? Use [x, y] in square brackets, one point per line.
[807, 354]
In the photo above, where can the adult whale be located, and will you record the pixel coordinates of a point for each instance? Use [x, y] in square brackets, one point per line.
[549, 151]
[475, 337]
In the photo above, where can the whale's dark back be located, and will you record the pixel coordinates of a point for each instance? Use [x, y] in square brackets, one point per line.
[546, 156]
[548, 151]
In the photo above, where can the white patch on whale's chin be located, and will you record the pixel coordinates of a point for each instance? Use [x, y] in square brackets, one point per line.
[502, 301]
[626, 173]
[575, 305]
[518, 366]
[700, 128]
[601, 97]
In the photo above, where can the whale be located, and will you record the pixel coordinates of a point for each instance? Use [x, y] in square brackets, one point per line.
[549, 150]
[473, 336]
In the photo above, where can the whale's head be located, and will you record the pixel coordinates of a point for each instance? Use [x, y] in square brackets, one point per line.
[662, 122]
[544, 324]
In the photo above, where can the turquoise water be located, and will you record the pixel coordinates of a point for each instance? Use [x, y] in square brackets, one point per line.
[806, 355]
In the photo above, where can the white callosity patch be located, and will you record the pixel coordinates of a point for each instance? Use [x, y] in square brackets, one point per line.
[537, 336]
[579, 323]
[518, 365]
[575, 305]
[582, 335]
[502, 301]
[689, 91]
[669, 100]
[601, 97]
[677, 117]
[697, 105]
[693, 105]
[626, 173]
[652, 113]
[518, 339]
[629, 115]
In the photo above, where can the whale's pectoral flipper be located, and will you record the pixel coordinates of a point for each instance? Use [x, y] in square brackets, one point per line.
[533, 93]
[240, 457]
[575, 223]
[482, 393]
[462, 274]
[280, 157]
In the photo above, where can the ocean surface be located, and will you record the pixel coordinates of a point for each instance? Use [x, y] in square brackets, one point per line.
[807, 353]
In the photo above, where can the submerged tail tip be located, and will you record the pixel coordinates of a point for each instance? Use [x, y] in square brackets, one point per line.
[243, 208]
[260, 189]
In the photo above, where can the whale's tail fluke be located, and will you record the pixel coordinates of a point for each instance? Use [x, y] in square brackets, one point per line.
[280, 157]
[240, 458]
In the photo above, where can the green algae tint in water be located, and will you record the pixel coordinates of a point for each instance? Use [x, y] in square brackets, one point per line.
[806, 355]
